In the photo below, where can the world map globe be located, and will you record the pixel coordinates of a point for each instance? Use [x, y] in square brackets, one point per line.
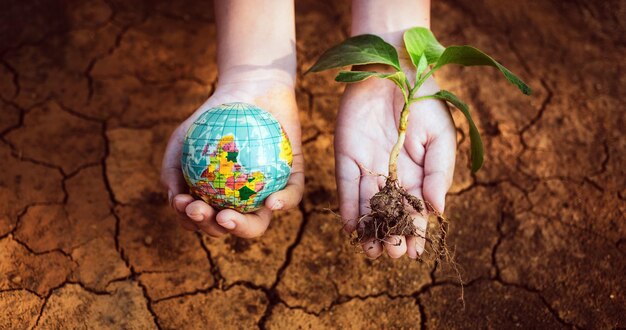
[235, 155]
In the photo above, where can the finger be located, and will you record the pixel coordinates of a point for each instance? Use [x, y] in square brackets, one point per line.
[372, 248]
[173, 180]
[369, 185]
[249, 225]
[348, 179]
[416, 244]
[203, 216]
[395, 246]
[179, 204]
[198, 211]
[439, 168]
[171, 173]
[291, 195]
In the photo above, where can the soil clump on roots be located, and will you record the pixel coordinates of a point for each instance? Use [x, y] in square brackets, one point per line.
[391, 214]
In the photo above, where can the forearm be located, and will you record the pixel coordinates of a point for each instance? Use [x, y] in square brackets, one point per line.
[255, 40]
[389, 19]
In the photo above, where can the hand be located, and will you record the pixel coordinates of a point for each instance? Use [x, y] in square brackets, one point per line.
[275, 97]
[367, 129]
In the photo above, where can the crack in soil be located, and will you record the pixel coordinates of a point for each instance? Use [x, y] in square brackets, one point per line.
[497, 273]
[113, 200]
[22, 289]
[86, 288]
[573, 226]
[551, 309]
[498, 278]
[43, 307]
[500, 239]
[220, 281]
[17, 153]
[52, 290]
[144, 290]
[15, 77]
[21, 213]
[422, 311]
[23, 112]
[33, 252]
[215, 271]
[539, 114]
[19, 124]
[116, 44]
[272, 295]
[75, 113]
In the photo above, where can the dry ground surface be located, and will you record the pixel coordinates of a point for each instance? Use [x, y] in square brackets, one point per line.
[90, 91]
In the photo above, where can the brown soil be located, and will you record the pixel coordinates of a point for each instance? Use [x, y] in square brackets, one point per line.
[390, 214]
[90, 91]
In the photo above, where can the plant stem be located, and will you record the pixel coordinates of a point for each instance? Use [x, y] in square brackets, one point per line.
[395, 152]
[425, 97]
[404, 121]
[419, 83]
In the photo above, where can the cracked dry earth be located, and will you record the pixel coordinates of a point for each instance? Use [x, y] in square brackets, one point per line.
[90, 92]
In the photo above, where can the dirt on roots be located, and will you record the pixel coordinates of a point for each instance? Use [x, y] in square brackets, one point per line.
[392, 210]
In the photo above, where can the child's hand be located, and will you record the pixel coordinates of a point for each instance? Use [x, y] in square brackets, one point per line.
[367, 129]
[275, 97]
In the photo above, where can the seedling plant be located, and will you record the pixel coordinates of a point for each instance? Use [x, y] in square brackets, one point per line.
[391, 206]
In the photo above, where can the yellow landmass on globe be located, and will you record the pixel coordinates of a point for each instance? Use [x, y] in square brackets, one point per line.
[285, 148]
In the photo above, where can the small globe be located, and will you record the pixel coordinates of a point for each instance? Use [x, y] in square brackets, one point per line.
[235, 155]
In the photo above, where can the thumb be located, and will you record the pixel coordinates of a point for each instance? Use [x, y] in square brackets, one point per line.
[439, 169]
[435, 189]
[172, 179]
[171, 173]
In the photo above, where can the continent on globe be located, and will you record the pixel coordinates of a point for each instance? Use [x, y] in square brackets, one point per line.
[235, 155]
[285, 148]
[225, 179]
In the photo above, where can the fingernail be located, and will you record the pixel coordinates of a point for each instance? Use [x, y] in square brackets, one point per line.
[170, 196]
[196, 216]
[178, 207]
[278, 205]
[228, 224]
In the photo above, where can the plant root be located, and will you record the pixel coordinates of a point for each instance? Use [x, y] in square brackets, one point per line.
[391, 214]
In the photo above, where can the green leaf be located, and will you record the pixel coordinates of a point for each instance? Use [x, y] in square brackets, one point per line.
[470, 56]
[398, 78]
[422, 64]
[475, 141]
[358, 50]
[421, 41]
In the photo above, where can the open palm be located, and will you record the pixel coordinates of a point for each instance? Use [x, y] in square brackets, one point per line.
[367, 128]
[273, 97]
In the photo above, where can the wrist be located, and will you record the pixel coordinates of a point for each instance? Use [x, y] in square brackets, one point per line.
[246, 75]
[256, 41]
[389, 19]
